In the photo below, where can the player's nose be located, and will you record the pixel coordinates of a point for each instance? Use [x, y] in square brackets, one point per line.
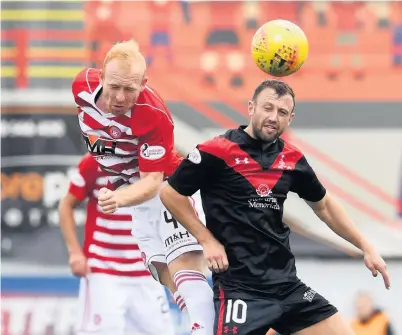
[120, 97]
[272, 117]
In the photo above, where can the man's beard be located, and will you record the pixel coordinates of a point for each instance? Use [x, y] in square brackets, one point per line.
[260, 135]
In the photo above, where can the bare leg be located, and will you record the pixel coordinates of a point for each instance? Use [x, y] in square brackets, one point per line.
[164, 276]
[334, 325]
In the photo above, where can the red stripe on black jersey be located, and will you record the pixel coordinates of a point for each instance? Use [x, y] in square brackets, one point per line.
[250, 169]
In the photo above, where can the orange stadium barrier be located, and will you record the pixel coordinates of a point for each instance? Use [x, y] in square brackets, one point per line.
[202, 50]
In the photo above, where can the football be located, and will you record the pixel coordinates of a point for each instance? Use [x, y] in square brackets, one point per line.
[279, 48]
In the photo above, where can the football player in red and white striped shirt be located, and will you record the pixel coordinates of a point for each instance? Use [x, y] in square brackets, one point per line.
[129, 131]
[117, 293]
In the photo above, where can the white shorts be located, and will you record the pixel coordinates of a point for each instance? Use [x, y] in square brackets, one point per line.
[122, 305]
[160, 237]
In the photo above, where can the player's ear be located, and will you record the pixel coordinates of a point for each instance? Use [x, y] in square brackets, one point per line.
[250, 107]
[292, 115]
[144, 82]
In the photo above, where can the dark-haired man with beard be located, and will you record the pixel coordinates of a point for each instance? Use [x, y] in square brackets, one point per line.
[244, 177]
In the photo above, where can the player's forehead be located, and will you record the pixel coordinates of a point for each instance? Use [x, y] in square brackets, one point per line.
[117, 72]
[268, 96]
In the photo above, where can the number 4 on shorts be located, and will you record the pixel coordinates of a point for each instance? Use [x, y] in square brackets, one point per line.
[170, 219]
[236, 311]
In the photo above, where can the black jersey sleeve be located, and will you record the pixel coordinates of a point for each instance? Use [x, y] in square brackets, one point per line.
[195, 172]
[305, 182]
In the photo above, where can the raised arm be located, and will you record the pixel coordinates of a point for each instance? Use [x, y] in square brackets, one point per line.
[330, 211]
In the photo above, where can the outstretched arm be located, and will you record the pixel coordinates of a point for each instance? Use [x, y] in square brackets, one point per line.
[330, 211]
[144, 189]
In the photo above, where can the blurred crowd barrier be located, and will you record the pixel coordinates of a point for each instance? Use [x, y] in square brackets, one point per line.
[193, 46]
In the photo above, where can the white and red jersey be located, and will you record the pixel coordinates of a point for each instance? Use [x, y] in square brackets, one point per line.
[141, 140]
[108, 244]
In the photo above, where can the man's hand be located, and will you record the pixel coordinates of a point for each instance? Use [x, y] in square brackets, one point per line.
[107, 200]
[215, 254]
[375, 264]
[78, 264]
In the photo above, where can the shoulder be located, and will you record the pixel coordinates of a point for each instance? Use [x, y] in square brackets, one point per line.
[85, 81]
[151, 112]
[150, 104]
[288, 147]
[290, 155]
[88, 164]
[219, 145]
[86, 173]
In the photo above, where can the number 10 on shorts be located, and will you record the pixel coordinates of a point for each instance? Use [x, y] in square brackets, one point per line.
[236, 311]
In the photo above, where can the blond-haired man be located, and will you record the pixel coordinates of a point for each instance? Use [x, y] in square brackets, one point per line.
[129, 131]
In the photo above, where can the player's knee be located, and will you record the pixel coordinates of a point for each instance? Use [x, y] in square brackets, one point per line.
[192, 260]
[160, 272]
[209, 61]
[235, 61]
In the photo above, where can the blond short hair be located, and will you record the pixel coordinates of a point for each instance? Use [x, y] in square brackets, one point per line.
[126, 51]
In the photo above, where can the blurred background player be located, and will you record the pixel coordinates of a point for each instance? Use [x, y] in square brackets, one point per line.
[349, 16]
[160, 36]
[222, 44]
[102, 28]
[129, 131]
[370, 320]
[117, 293]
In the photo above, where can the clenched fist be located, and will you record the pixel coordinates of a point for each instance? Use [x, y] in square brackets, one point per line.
[215, 254]
[107, 200]
[78, 264]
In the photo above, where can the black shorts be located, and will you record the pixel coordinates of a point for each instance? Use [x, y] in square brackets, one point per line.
[286, 311]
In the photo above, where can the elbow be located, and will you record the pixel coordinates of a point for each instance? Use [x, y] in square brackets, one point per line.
[151, 187]
[157, 181]
[164, 191]
[320, 208]
[65, 210]
[324, 208]
[169, 195]
[67, 205]
[62, 206]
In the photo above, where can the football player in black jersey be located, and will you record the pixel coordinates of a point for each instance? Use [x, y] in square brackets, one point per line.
[244, 177]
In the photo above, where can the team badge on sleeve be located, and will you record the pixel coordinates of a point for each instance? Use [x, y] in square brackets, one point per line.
[152, 152]
[194, 156]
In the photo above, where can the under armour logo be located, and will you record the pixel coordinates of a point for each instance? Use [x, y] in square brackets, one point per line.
[228, 330]
[309, 295]
[242, 161]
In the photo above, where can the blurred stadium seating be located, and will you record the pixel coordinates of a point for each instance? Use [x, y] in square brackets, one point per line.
[348, 122]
